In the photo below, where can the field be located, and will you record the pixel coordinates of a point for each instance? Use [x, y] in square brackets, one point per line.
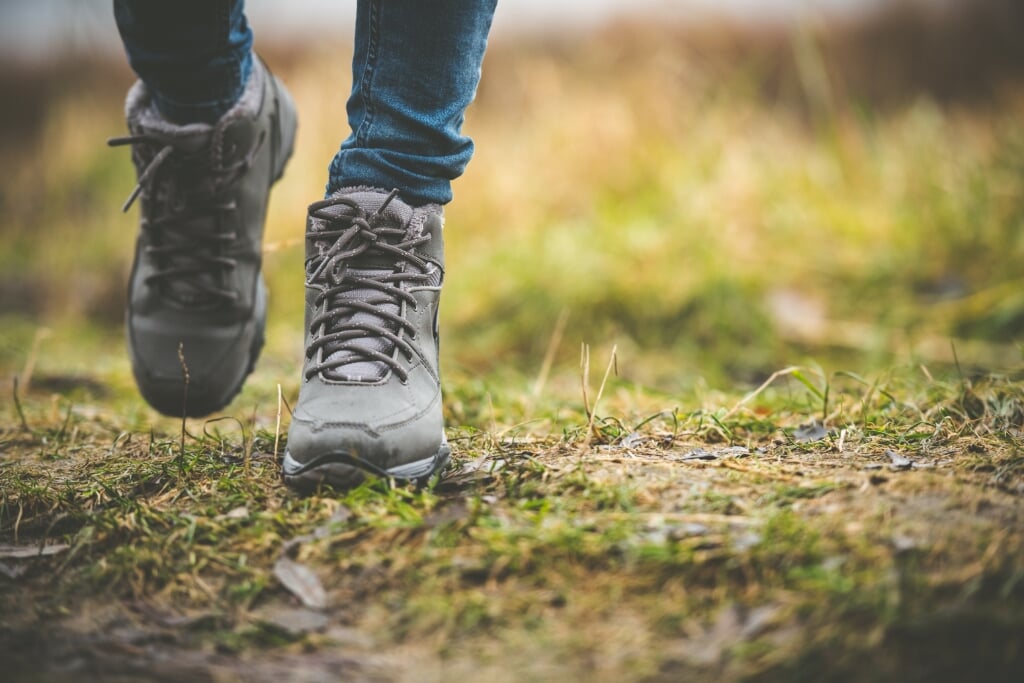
[732, 369]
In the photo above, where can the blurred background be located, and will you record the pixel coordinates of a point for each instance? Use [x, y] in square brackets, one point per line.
[721, 188]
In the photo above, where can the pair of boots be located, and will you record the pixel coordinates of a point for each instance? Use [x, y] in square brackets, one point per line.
[370, 397]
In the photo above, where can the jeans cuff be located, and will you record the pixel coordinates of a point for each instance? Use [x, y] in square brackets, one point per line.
[183, 114]
[209, 110]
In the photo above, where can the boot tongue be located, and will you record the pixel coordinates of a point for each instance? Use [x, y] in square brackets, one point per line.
[191, 140]
[354, 366]
[372, 264]
[193, 289]
[396, 213]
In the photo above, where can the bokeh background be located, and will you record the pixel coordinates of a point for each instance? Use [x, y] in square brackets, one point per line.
[720, 189]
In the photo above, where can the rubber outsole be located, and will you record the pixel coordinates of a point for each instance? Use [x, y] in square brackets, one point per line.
[341, 470]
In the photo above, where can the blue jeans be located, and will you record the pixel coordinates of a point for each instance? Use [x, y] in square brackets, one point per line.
[415, 70]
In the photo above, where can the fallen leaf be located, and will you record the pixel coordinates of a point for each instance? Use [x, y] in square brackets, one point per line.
[904, 544]
[698, 454]
[759, 620]
[814, 431]
[240, 512]
[632, 440]
[296, 621]
[23, 551]
[302, 582]
[899, 462]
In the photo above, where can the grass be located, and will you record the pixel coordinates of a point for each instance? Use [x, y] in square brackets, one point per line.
[539, 557]
[805, 463]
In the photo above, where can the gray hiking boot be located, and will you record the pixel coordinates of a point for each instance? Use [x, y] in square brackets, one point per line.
[196, 283]
[370, 400]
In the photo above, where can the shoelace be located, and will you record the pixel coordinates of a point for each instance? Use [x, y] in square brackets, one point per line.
[185, 244]
[340, 243]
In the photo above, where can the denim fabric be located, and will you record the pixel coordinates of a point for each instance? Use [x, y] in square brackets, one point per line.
[194, 56]
[415, 70]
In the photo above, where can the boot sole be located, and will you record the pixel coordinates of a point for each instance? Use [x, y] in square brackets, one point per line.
[340, 470]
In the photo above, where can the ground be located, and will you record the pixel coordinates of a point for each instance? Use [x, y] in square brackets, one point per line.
[732, 380]
[745, 540]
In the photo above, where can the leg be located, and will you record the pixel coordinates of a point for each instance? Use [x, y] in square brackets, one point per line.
[414, 72]
[370, 400]
[194, 56]
[210, 130]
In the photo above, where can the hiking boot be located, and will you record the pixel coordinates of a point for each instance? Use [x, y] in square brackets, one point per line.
[197, 303]
[370, 399]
